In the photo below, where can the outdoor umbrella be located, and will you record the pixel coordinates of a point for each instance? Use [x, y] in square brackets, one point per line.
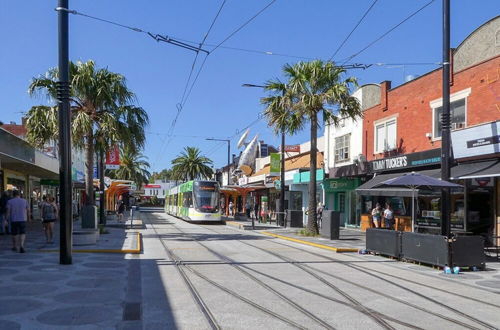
[414, 181]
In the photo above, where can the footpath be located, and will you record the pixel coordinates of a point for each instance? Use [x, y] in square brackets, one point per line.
[350, 240]
[98, 291]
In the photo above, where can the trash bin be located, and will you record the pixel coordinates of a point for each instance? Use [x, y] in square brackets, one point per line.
[330, 224]
[294, 218]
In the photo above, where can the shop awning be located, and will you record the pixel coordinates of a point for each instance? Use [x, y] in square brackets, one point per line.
[490, 168]
[368, 189]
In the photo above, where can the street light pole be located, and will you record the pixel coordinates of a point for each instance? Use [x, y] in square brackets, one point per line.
[228, 155]
[445, 128]
[281, 214]
[63, 89]
[282, 170]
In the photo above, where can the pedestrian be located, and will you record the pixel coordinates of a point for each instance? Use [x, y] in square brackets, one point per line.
[120, 208]
[256, 210]
[319, 214]
[3, 212]
[49, 216]
[248, 208]
[388, 216]
[231, 207]
[377, 215]
[18, 212]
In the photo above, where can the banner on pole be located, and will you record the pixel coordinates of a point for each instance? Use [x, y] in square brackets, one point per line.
[275, 164]
[113, 158]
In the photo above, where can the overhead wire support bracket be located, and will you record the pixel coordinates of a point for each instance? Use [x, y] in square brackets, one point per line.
[175, 42]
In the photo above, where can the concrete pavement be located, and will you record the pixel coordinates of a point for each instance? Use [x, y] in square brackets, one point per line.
[189, 274]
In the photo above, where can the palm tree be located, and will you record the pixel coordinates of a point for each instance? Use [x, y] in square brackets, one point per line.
[133, 166]
[312, 88]
[101, 114]
[165, 174]
[191, 165]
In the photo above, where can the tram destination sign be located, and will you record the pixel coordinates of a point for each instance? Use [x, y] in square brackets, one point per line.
[416, 159]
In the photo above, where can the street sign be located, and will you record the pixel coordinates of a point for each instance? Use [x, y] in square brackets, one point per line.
[113, 158]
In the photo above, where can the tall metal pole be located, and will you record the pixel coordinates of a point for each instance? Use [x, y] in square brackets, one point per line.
[228, 160]
[446, 122]
[65, 209]
[282, 195]
[102, 200]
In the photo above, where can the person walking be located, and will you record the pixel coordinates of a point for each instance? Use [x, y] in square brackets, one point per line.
[256, 210]
[377, 215]
[18, 212]
[319, 214]
[120, 208]
[3, 212]
[231, 207]
[388, 216]
[248, 207]
[49, 216]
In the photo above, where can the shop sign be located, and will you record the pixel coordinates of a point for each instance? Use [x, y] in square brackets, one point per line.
[269, 181]
[340, 184]
[49, 182]
[152, 186]
[476, 141]
[406, 161]
[292, 148]
[113, 158]
[243, 180]
[275, 166]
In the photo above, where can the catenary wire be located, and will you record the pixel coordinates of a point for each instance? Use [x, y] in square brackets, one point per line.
[354, 29]
[388, 31]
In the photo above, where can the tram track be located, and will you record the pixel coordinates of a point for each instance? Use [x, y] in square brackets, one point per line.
[314, 269]
[178, 262]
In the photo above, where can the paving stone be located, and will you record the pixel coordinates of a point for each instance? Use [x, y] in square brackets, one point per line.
[74, 316]
[27, 289]
[96, 283]
[104, 265]
[41, 277]
[8, 271]
[18, 305]
[10, 325]
[88, 296]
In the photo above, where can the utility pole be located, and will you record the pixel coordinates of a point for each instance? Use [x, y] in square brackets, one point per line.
[102, 200]
[446, 156]
[63, 91]
[228, 155]
[282, 195]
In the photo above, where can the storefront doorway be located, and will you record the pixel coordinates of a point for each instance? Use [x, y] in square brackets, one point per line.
[341, 207]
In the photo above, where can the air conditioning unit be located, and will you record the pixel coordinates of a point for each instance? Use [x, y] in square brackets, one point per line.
[455, 126]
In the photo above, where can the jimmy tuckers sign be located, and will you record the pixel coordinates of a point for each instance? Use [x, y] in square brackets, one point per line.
[416, 159]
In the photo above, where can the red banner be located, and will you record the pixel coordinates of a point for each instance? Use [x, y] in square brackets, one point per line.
[113, 156]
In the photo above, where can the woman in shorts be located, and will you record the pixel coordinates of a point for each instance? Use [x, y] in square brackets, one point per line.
[49, 216]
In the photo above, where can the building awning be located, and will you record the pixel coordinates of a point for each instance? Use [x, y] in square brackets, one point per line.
[368, 189]
[490, 168]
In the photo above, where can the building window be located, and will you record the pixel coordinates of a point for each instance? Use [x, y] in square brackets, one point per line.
[342, 144]
[458, 112]
[385, 135]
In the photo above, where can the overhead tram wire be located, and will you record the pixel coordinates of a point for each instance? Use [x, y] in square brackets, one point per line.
[388, 31]
[354, 29]
[180, 105]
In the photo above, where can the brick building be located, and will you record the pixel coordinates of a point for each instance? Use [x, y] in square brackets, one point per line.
[402, 133]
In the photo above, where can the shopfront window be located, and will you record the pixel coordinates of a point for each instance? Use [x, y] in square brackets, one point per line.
[296, 200]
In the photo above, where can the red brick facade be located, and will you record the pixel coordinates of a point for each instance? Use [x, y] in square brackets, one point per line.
[410, 105]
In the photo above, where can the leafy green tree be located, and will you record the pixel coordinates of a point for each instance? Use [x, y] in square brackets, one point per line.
[191, 165]
[312, 89]
[165, 174]
[101, 113]
[133, 166]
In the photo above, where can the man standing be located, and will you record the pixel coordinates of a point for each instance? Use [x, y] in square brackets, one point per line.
[18, 212]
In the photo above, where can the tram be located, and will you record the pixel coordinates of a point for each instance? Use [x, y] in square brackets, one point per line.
[194, 201]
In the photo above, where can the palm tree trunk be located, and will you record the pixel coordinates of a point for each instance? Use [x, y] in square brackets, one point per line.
[89, 163]
[312, 225]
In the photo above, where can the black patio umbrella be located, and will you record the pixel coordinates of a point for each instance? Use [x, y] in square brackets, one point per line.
[414, 181]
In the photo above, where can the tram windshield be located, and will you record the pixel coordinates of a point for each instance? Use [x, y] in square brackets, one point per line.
[206, 196]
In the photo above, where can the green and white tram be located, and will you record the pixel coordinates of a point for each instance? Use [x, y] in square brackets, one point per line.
[194, 201]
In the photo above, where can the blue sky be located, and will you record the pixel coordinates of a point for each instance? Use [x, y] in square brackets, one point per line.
[218, 106]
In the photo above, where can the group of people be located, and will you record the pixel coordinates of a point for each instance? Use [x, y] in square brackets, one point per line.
[15, 212]
[383, 218]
